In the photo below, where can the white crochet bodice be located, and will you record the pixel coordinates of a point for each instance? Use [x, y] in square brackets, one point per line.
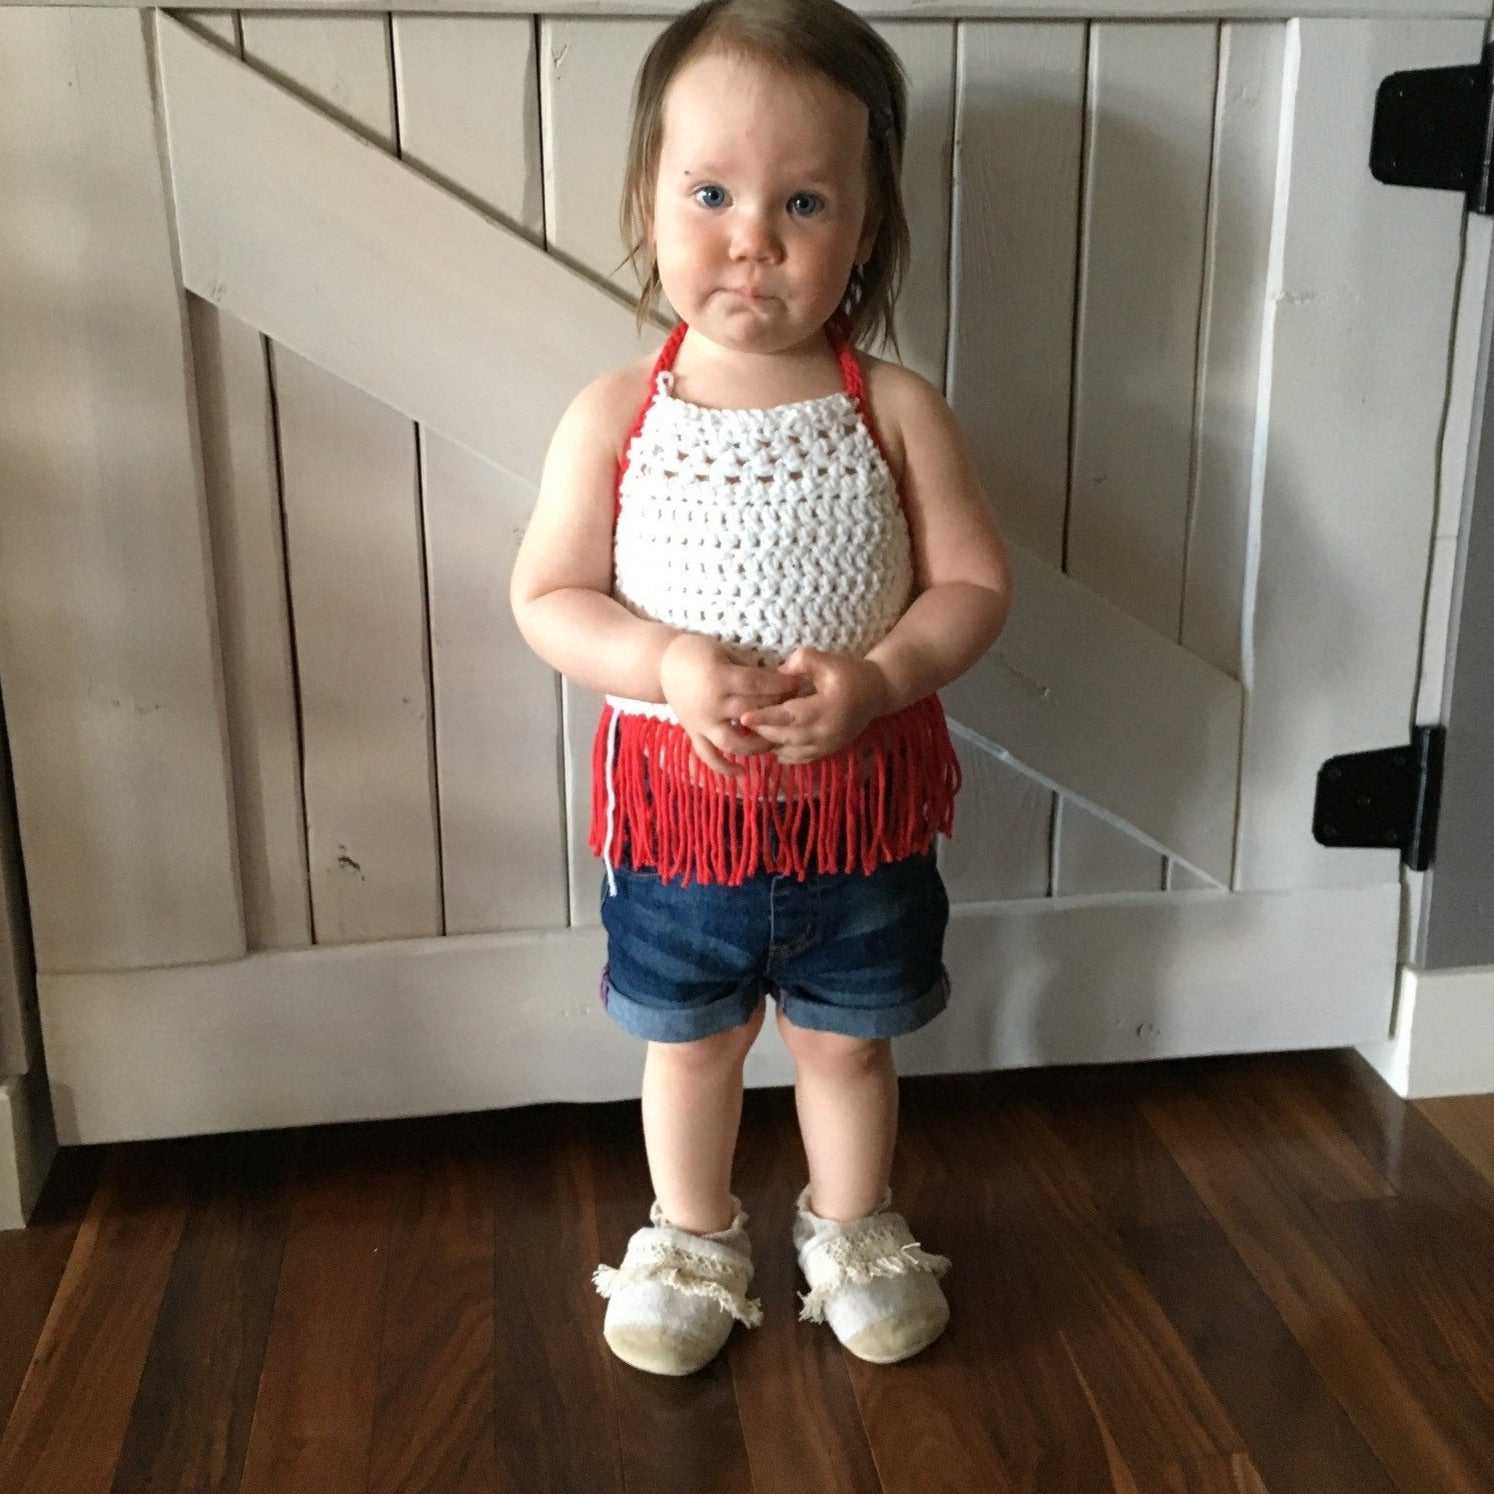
[766, 528]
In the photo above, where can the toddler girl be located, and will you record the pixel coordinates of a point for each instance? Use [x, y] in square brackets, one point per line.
[769, 553]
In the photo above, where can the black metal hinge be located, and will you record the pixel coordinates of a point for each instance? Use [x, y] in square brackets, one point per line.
[1388, 797]
[1434, 127]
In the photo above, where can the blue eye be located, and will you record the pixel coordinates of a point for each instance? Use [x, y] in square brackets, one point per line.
[717, 200]
[814, 203]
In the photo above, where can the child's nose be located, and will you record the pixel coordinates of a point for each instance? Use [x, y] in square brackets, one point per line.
[754, 237]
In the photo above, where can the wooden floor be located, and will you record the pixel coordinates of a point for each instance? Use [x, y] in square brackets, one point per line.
[1236, 1274]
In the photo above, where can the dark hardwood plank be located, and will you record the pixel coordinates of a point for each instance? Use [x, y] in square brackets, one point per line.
[1467, 1122]
[1296, 1126]
[313, 1423]
[1221, 1275]
[1422, 1276]
[1298, 1433]
[1299, 1268]
[70, 1416]
[434, 1421]
[557, 1422]
[934, 1421]
[1006, 1309]
[677, 1434]
[799, 1417]
[1414, 1157]
[33, 1259]
[1147, 1388]
[189, 1426]
[1234, 1474]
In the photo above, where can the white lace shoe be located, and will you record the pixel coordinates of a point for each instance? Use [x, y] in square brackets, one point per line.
[871, 1281]
[673, 1300]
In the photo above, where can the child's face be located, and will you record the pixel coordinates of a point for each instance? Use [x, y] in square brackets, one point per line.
[761, 206]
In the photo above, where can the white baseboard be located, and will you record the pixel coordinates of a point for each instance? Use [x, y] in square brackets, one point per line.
[1442, 1035]
[28, 1142]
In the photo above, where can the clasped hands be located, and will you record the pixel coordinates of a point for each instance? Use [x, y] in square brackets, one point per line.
[812, 705]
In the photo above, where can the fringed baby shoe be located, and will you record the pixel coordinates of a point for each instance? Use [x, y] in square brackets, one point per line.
[871, 1281]
[673, 1300]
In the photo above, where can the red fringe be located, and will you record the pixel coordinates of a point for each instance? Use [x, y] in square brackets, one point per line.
[702, 827]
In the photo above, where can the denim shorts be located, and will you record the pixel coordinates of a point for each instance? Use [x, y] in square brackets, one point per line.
[846, 952]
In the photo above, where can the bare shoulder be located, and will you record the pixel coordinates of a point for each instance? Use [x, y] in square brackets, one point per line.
[605, 410]
[951, 523]
[907, 409]
[568, 542]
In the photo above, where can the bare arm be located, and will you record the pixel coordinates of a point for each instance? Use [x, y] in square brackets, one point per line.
[561, 587]
[561, 595]
[962, 573]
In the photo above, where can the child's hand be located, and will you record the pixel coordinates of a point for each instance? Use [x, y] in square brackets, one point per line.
[846, 694]
[710, 690]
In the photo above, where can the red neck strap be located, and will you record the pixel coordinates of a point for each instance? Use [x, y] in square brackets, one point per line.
[850, 367]
[850, 373]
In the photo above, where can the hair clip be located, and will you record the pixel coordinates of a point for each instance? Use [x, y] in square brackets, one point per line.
[881, 121]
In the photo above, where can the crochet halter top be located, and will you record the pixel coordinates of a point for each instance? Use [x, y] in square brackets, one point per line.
[767, 529]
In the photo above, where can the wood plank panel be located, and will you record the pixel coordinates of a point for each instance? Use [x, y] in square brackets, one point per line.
[108, 643]
[1035, 9]
[1343, 495]
[352, 533]
[587, 67]
[468, 105]
[581, 709]
[1020, 110]
[1002, 826]
[469, 116]
[20, 1031]
[241, 467]
[337, 64]
[1247, 109]
[1085, 698]
[353, 541]
[294, 225]
[241, 472]
[1093, 855]
[495, 1020]
[1146, 179]
[927, 53]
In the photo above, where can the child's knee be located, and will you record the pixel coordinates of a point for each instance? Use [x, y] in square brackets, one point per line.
[811, 1045]
[729, 1046]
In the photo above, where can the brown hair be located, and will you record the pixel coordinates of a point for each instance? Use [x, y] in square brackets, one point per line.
[796, 36]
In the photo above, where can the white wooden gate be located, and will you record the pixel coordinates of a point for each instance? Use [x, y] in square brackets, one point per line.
[292, 303]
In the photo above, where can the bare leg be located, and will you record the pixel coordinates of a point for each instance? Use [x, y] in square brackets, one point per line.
[846, 1093]
[692, 1109]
